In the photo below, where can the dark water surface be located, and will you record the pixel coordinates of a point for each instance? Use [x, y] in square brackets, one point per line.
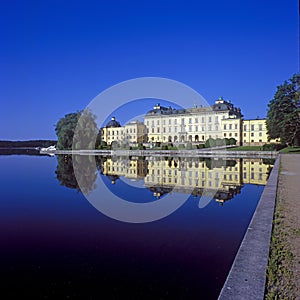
[55, 244]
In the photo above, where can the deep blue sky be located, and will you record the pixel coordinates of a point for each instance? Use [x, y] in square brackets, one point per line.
[56, 55]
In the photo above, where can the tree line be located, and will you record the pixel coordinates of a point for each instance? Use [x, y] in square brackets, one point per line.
[27, 144]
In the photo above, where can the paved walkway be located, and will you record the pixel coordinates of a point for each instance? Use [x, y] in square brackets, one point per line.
[289, 193]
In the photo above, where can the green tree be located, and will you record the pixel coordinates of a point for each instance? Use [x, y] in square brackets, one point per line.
[65, 128]
[283, 118]
[86, 132]
[82, 124]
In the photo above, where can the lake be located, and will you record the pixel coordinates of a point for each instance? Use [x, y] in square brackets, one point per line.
[123, 227]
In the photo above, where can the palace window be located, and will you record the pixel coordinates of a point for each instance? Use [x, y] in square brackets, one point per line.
[252, 127]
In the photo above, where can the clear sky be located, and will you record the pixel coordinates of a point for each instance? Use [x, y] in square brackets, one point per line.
[57, 55]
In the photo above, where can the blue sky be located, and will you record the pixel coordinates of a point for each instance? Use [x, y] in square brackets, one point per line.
[56, 56]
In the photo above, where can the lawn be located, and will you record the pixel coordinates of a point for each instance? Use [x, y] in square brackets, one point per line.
[247, 148]
[293, 150]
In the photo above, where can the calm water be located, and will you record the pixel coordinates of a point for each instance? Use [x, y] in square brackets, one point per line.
[55, 243]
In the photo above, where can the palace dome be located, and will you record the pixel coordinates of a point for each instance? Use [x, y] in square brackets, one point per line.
[113, 123]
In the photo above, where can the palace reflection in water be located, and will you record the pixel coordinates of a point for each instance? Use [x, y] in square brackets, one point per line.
[162, 175]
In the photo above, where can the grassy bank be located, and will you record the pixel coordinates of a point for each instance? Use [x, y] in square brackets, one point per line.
[247, 148]
[279, 283]
[294, 150]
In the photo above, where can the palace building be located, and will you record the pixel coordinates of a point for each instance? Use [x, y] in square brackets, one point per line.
[194, 125]
[131, 133]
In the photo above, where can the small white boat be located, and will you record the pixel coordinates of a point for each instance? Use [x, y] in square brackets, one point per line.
[49, 149]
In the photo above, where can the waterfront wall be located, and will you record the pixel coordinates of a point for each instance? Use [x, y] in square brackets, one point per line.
[247, 277]
[181, 153]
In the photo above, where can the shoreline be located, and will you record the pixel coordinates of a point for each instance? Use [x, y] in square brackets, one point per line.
[188, 153]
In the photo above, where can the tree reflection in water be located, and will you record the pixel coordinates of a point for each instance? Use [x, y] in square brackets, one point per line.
[66, 176]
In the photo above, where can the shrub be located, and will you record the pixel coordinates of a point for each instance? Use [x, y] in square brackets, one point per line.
[102, 145]
[272, 147]
[219, 142]
[232, 141]
[141, 146]
[200, 146]
[189, 146]
[210, 143]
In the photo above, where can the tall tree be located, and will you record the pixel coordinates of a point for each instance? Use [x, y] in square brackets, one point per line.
[82, 124]
[86, 132]
[283, 118]
[65, 128]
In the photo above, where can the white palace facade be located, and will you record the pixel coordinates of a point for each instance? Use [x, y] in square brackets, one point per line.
[195, 125]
